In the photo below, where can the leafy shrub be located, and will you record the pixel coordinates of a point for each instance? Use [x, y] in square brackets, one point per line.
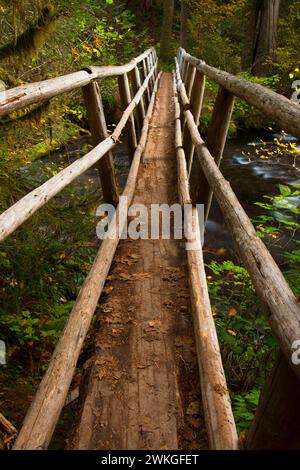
[244, 407]
[279, 226]
[247, 345]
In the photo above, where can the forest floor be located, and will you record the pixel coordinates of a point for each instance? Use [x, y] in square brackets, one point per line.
[142, 388]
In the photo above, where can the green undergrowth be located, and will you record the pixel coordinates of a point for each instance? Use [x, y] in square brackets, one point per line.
[246, 341]
[43, 266]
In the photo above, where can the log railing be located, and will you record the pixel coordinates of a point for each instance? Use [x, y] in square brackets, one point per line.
[13, 217]
[24, 95]
[274, 423]
[41, 419]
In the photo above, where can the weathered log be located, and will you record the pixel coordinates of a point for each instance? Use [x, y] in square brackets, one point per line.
[183, 71]
[13, 217]
[215, 142]
[41, 419]
[217, 409]
[196, 100]
[24, 95]
[283, 111]
[125, 96]
[154, 61]
[7, 426]
[150, 65]
[136, 85]
[282, 307]
[97, 124]
[145, 70]
[180, 84]
[183, 183]
[120, 126]
[190, 76]
[191, 72]
[29, 204]
[219, 419]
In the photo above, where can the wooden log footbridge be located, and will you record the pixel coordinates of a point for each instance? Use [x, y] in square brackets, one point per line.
[156, 379]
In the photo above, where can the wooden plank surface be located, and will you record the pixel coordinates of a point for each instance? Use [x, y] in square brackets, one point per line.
[142, 391]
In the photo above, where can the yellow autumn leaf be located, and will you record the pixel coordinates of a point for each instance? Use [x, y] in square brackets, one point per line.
[214, 311]
[231, 332]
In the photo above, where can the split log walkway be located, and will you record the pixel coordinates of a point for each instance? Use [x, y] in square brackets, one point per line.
[142, 391]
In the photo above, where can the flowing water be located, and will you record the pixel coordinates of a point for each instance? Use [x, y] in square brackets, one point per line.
[251, 179]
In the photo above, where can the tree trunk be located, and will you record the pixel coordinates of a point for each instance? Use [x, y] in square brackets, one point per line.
[251, 35]
[166, 33]
[266, 40]
[183, 24]
[260, 43]
[276, 422]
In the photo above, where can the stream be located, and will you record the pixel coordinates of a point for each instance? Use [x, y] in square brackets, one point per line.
[251, 179]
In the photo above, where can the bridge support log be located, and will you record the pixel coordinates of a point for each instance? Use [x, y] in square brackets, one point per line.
[190, 79]
[136, 85]
[196, 101]
[277, 418]
[154, 57]
[152, 79]
[130, 126]
[215, 142]
[185, 66]
[190, 76]
[145, 70]
[97, 124]
[191, 72]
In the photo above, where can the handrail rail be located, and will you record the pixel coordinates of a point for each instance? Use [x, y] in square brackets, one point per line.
[282, 307]
[17, 214]
[25, 95]
[277, 107]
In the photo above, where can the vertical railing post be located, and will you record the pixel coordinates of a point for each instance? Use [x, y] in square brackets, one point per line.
[191, 72]
[136, 84]
[184, 70]
[154, 61]
[215, 142]
[130, 126]
[196, 101]
[180, 58]
[151, 82]
[276, 422]
[184, 64]
[97, 124]
[145, 68]
[190, 76]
